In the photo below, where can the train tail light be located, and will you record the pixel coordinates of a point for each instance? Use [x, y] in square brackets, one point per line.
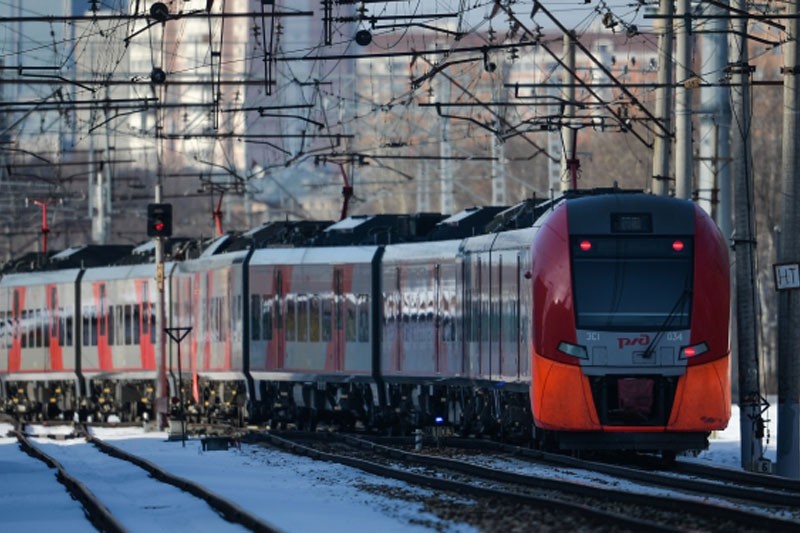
[687, 352]
[573, 350]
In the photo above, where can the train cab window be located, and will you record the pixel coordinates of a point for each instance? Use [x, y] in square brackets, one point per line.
[632, 284]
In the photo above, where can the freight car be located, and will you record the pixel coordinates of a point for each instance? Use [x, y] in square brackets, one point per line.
[597, 320]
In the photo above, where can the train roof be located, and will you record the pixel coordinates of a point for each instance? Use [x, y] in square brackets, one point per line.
[280, 233]
[87, 256]
[357, 230]
[378, 229]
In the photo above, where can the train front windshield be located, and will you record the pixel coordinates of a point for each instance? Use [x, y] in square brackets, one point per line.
[632, 283]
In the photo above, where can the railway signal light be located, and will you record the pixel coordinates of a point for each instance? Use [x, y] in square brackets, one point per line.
[159, 220]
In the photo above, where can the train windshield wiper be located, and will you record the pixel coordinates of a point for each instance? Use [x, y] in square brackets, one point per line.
[648, 352]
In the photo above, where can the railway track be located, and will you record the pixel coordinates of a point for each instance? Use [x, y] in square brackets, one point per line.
[773, 491]
[600, 506]
[121, 492]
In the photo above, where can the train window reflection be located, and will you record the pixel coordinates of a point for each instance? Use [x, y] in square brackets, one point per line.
[632, 287]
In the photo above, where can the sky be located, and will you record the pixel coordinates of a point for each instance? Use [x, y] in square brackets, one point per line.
[294, 494]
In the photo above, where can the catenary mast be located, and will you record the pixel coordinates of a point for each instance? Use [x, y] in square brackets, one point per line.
[788, 454]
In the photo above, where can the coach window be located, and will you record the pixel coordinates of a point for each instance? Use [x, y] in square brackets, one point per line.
[313, 317]
[124, 321]
[291, 318]
[40, 324]
[302, 317]
[53, 319]
[24, 328]
[350, 325]
[220, 317]
[327, 317]
[363, 318]
[255, 317]
[237, 326]
[102, 314]
[4, 331]
[137, 320]
[152, 319]
[85, 325]
[68, 325]
[266, 317]
[93, 313]
[110, 318]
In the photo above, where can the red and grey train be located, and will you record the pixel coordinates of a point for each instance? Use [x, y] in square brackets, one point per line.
[596, 320]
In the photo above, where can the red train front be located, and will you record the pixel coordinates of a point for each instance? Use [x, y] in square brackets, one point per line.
[630, 325]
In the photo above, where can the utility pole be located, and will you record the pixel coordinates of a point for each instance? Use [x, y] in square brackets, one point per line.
[569, 160]
[788, 454]
[499, 196]
[663, 109]
[683, 102]
[714, 175]
[750, 402]
[446, 203]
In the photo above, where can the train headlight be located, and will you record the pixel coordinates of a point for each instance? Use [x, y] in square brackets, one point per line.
[694, 350]
[573, 350]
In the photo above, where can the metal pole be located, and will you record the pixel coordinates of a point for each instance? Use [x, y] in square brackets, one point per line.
[683, 103]
[751, 422]
[177, 335]
[663, 108]
[568, 136]
[788, 454]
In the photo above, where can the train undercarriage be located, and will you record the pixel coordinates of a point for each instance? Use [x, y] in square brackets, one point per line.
[393, 408]
[385, 408]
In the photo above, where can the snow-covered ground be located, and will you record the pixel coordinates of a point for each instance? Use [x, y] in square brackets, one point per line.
[292, 493]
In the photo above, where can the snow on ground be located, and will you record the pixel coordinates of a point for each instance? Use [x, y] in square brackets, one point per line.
[292, 493]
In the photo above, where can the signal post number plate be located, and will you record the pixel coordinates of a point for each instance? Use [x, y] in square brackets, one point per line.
[787, 276]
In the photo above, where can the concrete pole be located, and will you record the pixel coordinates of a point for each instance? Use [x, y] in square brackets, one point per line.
[788, 454]
[715, 125]
[663, 110]
[499, 196]
[683, 102]
[447, 203]
[744, 246]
